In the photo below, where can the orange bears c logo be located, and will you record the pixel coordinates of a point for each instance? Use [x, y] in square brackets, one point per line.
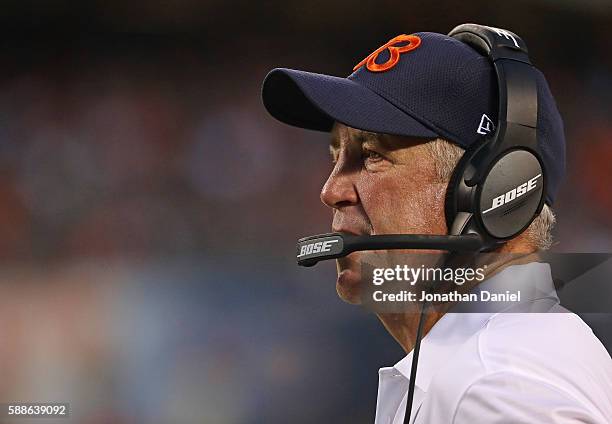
[394, 53]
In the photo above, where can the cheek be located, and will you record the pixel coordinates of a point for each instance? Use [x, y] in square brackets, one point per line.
[403, 205]
[427, 209]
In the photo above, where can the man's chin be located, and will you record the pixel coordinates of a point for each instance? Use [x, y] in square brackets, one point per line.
[348, 286]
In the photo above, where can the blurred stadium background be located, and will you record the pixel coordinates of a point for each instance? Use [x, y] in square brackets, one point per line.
[149, 207]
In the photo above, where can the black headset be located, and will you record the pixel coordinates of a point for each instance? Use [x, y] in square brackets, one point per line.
[497, 189]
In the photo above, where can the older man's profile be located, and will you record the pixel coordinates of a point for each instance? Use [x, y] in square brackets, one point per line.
[435, 137]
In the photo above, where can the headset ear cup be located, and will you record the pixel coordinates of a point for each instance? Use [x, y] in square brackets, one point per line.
[511, 195]
[450, 200]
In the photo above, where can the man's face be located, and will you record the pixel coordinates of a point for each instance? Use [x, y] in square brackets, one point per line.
[380, 184]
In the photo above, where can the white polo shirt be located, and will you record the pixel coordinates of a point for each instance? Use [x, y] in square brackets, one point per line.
[505, 367]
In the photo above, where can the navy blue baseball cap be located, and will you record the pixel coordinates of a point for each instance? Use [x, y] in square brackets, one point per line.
[433, 86]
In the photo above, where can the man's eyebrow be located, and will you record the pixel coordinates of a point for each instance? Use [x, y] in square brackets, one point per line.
[334, 143]
[386, 142]
[367, 137]
[360, 137]
[334, 146]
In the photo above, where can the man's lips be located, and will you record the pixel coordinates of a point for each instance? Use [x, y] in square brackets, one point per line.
[349, 231]
[352, 260]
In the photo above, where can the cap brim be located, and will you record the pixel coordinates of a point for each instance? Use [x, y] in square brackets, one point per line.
[316, 101]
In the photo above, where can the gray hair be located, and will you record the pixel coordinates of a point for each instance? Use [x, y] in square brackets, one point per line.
[446, 156]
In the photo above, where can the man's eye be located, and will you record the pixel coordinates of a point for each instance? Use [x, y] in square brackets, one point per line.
[371, 155]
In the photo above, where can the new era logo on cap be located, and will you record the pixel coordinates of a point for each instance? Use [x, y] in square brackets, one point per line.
[486, 125]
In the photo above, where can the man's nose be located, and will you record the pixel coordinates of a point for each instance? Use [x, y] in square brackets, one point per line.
[339, 189]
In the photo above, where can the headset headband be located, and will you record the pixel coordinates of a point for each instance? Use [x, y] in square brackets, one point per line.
[517, 115]
[507, 158]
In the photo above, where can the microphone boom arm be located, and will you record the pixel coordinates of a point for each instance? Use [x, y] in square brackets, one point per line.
[311, 250]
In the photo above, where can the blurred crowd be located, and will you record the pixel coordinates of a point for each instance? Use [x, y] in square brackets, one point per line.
[149, 206]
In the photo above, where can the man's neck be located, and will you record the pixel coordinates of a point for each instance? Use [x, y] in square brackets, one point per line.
[403, 326]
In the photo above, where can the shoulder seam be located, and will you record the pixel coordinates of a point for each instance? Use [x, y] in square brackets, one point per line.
[554, 388]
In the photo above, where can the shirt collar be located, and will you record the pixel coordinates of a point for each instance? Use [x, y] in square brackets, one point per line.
[454, 329]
